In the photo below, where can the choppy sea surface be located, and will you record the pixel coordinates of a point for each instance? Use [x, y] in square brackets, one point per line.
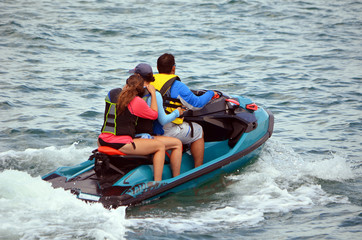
[300, 59]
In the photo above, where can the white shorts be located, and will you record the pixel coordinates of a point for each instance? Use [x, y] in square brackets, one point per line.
[183, 131]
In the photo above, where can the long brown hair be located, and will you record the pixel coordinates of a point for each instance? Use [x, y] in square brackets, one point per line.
[133, 88]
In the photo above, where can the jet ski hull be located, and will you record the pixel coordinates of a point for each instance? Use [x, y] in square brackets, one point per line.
[242, 133]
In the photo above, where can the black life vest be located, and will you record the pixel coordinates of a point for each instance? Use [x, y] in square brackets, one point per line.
[123, 124]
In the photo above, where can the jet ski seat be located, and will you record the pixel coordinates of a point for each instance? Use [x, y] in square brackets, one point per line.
[109, 159]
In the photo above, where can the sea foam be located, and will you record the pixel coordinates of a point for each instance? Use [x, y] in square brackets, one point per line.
[32, 209]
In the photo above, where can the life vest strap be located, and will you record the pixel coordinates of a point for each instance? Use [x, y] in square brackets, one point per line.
[171, 99]
[171, 105]
[167, 102]
[167, 86]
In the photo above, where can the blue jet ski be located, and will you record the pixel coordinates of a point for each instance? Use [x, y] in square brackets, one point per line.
[234, 130]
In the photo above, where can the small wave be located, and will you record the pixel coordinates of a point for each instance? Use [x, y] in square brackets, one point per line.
[32, 209]
[102, 32]
[30, 89]
[11, 23]
[5, 105]
[40, 161]
[294, 167]
[282, 181]
[91, 114]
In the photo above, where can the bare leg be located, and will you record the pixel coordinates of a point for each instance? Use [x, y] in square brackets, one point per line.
[197, 151]
[175, 145]
[145, 147]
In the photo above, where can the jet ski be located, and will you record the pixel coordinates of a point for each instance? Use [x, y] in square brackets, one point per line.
[234, 127]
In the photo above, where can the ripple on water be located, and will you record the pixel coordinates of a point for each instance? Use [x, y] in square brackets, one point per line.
[6, 105]
[91, 114]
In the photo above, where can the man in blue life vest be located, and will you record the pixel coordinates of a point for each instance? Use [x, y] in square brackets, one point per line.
[176, 94]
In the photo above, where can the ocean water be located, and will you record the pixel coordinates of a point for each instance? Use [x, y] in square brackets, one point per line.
[300, 59]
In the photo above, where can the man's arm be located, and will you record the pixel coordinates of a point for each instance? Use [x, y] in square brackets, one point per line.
[188, 98]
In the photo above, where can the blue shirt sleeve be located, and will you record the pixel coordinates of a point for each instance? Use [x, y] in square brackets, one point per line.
[163, 118]
[188, 98]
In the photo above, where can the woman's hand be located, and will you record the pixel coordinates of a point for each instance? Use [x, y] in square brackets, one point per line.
[151, 89]
[181, 110]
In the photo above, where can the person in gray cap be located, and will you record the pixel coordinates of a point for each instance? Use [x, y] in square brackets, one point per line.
[145, 71]
[144, 127]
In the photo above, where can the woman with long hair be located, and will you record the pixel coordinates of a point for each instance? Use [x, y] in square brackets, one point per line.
[123, 107]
